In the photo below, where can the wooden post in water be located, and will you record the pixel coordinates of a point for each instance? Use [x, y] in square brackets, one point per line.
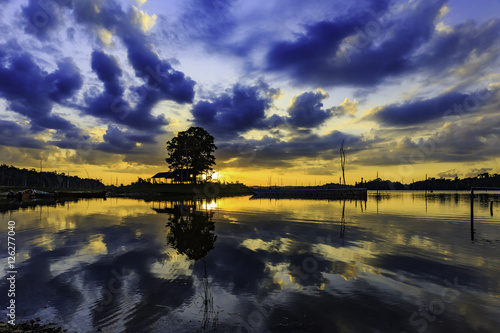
[472, 213]
[426, 185]
[472, 206]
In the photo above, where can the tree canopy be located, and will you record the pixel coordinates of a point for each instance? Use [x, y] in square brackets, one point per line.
[192, 149]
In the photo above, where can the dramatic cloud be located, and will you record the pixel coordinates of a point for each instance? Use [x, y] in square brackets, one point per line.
[474, 139]
[122, 142]
[466, 139]
[443, 106]
[238, 110]
[41, 18]
[112, 105]
[271, 152]
[453, 47]
[306, 109]
[416, 112]
[244, 108]
[15, 135]
[108, 71]
[365, 49]
[210, 22]
[32, 92]
[161, 81]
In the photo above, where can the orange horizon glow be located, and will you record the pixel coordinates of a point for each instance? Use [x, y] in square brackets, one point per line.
[278, 177]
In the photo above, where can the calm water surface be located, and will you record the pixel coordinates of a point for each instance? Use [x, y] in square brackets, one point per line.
[397, 262]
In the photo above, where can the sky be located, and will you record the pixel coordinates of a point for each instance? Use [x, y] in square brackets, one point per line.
[96, 88]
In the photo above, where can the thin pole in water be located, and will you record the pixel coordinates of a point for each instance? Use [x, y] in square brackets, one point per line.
[426, 185]
[472, 213]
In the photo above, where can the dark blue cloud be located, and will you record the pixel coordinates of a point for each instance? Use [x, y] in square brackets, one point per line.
[362, 50]
[15, 135]
[211, 22]
[243, 108]
[453, 48]
[65, 81]
[236, 111]
[108, 71]
[161, 80]
[42, 18]
[32, 92]
[222, 27]
[52, 121]
[311, 50]
[422, 111]
[378, 6]
[110, 14]
[116, 138]
[71, 140]
[111, 104]
[119, 111]
[123, 141]
[307, 110]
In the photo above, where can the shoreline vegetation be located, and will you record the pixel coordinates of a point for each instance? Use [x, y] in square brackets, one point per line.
[435, 184]
[15, 179]
[186, 191]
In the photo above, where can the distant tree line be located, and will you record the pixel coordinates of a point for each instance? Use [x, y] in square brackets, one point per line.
[12, 176]
[142, 181]
[481, 180]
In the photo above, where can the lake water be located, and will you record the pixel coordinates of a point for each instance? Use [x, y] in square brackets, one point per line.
[401, 261]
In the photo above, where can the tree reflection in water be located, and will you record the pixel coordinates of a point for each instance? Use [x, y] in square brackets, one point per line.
[191, 230]
[192, 233]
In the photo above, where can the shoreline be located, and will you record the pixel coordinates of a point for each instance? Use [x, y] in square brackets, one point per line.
[155, 191]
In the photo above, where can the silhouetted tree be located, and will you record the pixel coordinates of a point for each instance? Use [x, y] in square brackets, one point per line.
[191, 149]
